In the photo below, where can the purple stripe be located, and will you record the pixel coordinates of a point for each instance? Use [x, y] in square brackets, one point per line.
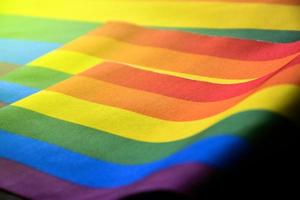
[34, 184]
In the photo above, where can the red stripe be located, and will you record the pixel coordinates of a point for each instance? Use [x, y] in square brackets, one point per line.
[172, 86]
[197, 44]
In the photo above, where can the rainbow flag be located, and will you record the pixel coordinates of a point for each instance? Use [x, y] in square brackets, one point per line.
[108, 99]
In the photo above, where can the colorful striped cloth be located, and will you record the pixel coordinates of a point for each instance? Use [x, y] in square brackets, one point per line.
[105, 99]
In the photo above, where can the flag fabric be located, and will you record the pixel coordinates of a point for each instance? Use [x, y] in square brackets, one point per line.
[105, 99]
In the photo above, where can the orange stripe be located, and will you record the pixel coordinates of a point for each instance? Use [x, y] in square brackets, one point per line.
[167, 85]
[155, 105]
[158, 58]
[196, 43]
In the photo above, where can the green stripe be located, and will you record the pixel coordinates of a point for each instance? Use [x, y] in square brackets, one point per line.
[6, 67]
[42, 29]
[62, 31]
[35, 77]
[251, 34]
[108, 147]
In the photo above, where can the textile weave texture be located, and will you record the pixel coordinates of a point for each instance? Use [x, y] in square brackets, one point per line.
[108, 99]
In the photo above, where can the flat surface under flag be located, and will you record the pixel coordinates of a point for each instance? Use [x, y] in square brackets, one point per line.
[142, 99]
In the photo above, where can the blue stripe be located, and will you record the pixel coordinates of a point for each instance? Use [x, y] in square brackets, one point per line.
[11, 92]
[87, 171]
[22, 51]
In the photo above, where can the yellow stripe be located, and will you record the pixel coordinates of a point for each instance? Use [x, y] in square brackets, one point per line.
[190, 76]
[75, 62]
[164, 13]
[144, 128]
[66, 61]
